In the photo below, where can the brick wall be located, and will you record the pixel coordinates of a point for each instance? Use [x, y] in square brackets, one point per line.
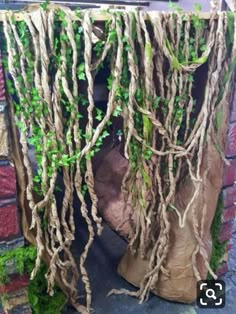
[229, 186]
[16, 300]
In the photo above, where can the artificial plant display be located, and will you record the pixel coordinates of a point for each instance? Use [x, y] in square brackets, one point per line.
[172, 133]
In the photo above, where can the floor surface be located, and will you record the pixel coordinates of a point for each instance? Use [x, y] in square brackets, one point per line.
[101, 265]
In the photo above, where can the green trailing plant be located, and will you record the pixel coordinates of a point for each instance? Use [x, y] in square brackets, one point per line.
[23, 260]
[153, 60]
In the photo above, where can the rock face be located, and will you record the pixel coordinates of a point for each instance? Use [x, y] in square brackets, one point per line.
[108, 180]
[180, 284]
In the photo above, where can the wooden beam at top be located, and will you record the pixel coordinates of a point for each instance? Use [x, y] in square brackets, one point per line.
[99, 15]
[98, 3]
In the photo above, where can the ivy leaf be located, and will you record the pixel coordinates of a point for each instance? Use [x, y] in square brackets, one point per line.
[105, 134]
[77, 37]
[157, 102]
[20, 125]
[44, 5]
[61, 14]
[63, 37]
[99, 47]
[139, 95]
[109, 82]
[81, 72]
[127, 47]
[82, 77]
[119, 92]
[148, 154]
[175, 63]
[203, 48]
[78, 12]
[36, 179]
[148, 51]
[124, 39]
[99, 114]
[19, 78]
[117, 111]
[86, 136]
[79, 115]
[68, 139]
[201, 60]
[84, 100]
[126, 95]
[89, 155]
[112, 36]
[147, 128]
[64, 24]
[84, 189]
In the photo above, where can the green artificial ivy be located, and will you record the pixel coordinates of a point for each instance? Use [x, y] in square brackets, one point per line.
[218, 248]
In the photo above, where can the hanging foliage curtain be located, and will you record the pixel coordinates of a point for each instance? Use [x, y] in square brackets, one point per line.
[153, 59]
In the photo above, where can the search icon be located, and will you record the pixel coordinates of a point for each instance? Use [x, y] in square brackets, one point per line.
[210, 293]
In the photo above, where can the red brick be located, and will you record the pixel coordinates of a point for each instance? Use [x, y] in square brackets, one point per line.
[8, 181]
[230, 173]
[16, 282]
[229, 213]
[231, 141]
[9, 224]
[222, 270]
[229, 196]
[226, 230]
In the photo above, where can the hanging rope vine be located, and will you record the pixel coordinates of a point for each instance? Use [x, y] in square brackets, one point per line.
[153, 58]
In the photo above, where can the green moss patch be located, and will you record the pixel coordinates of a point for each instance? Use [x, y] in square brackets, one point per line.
[40, 301]
[218, 249]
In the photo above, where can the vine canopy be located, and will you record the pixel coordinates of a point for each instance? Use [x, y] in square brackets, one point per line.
[153, 62]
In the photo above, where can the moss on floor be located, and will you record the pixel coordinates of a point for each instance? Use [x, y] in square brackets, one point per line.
[218, 249]
[39, 300]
